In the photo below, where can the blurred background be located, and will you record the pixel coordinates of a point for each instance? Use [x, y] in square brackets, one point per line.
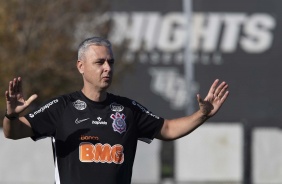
[166, 52]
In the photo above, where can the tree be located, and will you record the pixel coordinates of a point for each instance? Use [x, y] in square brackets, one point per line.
[38, 43]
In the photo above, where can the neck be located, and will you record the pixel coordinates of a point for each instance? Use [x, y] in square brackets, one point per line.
[96, 96]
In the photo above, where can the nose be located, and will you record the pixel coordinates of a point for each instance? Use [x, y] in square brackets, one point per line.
[107, 66]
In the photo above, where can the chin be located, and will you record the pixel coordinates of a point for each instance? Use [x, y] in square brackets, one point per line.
[106, 86]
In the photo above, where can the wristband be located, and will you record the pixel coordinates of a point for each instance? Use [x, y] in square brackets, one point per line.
[11, 117]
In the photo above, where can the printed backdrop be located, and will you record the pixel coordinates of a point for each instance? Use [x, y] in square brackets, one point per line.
[235, 41]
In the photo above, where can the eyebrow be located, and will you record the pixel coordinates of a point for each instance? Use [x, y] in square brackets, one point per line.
[103, 59]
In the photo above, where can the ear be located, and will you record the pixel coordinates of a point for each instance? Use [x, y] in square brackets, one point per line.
[80, 66]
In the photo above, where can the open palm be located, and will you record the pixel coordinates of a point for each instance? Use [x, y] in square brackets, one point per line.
[214, 99]
[14, 97]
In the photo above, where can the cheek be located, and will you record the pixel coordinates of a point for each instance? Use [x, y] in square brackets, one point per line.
[92, 71]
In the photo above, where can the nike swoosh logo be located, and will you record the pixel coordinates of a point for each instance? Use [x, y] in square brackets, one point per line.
[79, 121]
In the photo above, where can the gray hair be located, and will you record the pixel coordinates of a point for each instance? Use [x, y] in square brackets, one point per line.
[83, 46]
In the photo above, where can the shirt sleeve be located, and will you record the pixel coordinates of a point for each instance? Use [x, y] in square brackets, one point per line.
[43, 119]
[148, 123]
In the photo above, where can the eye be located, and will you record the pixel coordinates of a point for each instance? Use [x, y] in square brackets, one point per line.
[111, 61]
[100, 62]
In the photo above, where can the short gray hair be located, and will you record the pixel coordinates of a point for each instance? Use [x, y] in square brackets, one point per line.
[83, 46]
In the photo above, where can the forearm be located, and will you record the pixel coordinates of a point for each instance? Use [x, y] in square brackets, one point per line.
[17, 128]
[176, 128]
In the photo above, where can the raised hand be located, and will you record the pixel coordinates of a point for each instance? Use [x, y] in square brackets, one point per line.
[14, 98]
[214, 99]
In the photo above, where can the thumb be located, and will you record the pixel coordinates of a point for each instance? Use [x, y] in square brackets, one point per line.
[199, 99]
[31, 99]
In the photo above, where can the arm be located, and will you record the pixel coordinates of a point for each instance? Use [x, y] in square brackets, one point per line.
[176, 128]
[16, 127]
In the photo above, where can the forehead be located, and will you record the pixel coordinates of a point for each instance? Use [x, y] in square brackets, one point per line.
[97, 51]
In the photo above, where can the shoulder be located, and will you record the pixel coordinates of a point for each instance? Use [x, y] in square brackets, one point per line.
[132, 104]
[121, 100]
[114, 97]
[70, 97]
[137, 108]
[64, 99]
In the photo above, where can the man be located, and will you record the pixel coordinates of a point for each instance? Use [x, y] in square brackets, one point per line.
[94, 132]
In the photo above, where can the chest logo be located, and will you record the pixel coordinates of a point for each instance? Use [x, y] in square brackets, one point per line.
[77, 121]
[119, 124]
[79, 105]
[99, 122]
[116, 107]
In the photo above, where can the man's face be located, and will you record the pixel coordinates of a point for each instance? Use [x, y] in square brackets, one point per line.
[97, 67]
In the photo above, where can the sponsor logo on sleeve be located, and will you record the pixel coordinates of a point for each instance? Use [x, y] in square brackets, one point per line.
[43, 108]
[145, 110]
[79, 105]
[119, 124]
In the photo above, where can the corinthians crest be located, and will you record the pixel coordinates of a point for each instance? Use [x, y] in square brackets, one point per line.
[119, 124]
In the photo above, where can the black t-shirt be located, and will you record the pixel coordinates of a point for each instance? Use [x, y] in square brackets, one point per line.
[94, 142]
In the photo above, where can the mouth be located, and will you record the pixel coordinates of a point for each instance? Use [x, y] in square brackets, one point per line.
[106, 78]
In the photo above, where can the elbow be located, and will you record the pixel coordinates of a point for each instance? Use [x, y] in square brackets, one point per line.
[166, 134]
[5, 132]
[168, 137]
[16, 130]
[171, 132]
[9, 135]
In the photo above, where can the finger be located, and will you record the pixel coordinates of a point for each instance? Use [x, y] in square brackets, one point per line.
[31, 99]
[222, 100]
[14, 86]
[19, 86]
[213, 86]
[15, 82]
[7, 96]
[222, 90]
[11, 88]
[219, 89]
[199, 99]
